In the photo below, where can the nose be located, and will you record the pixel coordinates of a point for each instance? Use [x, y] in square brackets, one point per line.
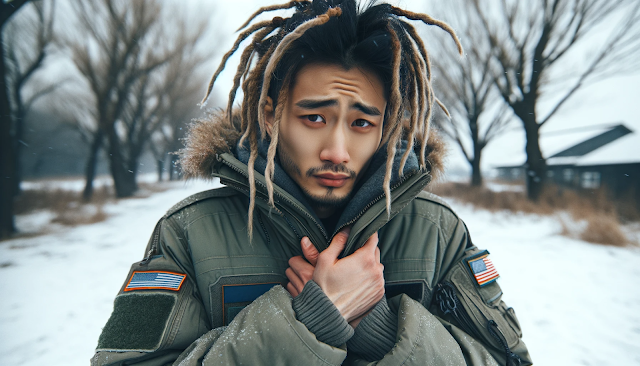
[335, 147]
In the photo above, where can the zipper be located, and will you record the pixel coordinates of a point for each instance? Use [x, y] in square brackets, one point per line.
[402, 180]
[295, 205]
[512, 358]
[304, 211]
[348, 247]
[155, 238]
[243, 188]
[450, 304]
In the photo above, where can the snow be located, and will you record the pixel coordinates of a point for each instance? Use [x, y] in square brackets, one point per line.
[77, 184]
[577, 302]
[624, 150]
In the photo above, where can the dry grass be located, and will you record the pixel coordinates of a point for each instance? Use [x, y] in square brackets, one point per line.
[68, 206]
[601, 217]
[604, 229]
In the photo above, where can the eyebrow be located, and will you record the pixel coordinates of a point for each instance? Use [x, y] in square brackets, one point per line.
[313, 104]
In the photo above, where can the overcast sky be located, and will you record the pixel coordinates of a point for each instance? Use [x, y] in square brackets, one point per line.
[605, 102]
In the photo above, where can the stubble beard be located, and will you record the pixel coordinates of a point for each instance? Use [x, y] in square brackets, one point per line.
[327, 201]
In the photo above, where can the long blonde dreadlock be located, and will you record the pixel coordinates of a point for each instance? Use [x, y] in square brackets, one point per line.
[272, 43]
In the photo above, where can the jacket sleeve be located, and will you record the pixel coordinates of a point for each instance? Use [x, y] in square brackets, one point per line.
[165, 326]
[464, 324]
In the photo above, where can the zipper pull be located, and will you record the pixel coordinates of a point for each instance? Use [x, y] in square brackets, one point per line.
[512, 358]
[446, 300]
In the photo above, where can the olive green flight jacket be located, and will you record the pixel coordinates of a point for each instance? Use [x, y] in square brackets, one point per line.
[204, 295]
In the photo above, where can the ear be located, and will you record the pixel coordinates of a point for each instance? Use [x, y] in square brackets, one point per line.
[269, 114]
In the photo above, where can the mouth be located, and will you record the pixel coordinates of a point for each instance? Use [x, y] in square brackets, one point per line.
[332, 179]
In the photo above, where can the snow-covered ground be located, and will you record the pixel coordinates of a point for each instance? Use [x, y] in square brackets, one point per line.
[578, 303]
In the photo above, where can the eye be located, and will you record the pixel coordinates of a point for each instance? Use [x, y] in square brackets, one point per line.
[362, 123]
[316, 118]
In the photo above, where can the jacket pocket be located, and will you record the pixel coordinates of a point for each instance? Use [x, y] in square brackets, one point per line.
[480, 312]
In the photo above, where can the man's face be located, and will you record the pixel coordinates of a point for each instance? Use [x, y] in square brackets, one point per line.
[330, 128]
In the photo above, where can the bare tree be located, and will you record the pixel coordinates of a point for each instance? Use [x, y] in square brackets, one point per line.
[122, 45]
[28, 40]
[182, 92]
[531, 39]
[466, 87]
[7, 153]
[165, 99]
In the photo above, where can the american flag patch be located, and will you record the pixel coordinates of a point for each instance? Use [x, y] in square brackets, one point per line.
[155, 280]
[482, 268]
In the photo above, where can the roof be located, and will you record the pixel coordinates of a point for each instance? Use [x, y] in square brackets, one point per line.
[602, 145]
[587, 146]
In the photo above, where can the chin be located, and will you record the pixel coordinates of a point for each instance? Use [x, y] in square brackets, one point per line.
[327, 197]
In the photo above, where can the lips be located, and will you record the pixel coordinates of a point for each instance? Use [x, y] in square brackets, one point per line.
[331, 179]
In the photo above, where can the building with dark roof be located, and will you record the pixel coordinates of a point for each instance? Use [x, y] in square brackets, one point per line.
[609, 157]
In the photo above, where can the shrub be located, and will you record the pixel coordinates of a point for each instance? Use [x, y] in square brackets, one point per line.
[600, 214]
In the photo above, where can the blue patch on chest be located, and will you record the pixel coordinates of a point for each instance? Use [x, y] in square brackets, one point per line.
[237, 297]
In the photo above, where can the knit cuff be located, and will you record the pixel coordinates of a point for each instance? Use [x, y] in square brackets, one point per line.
[316, 311]
[375, 336]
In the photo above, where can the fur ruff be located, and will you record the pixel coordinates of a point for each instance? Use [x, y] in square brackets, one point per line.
[212, 135]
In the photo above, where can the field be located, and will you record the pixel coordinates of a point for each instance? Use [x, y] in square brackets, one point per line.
[577, 301]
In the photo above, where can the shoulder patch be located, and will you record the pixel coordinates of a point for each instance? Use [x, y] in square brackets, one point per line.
[482, 268]
[155, 280]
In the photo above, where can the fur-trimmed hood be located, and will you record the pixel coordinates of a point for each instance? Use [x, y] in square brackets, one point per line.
[212, 135]
[209, 141]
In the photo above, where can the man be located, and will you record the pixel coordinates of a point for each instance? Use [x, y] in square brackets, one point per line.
[322, 248]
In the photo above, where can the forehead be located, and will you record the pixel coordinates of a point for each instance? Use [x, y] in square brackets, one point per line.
[319, 81]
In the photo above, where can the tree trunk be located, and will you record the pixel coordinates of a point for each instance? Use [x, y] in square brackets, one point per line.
[160, 167]
[535, 167]
[124, 180]
[7, 157]
[476, 174]
[173, 170]
[18, 141]
[92, 163]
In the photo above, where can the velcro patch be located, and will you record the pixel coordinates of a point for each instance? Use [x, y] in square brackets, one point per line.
[137, 322]
[237, 297]
[414, 290]
[155, 280]
[482, 268]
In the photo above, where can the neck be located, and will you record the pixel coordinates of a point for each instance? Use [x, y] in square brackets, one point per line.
[324, 211]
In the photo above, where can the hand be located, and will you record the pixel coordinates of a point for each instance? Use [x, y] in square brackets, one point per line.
[365, 285]
[355, 283]
[301, 271]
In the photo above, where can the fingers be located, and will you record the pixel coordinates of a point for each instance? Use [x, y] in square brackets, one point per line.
[294, 280]
[309, 250]
[377, 254]
[337, 244]
[371, 245]
[302, 269]
[292, 290]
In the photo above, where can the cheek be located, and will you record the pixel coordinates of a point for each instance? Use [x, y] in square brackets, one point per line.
[299, 144]
[362, 148]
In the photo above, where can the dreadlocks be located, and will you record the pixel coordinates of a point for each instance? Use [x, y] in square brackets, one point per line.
[336, 32]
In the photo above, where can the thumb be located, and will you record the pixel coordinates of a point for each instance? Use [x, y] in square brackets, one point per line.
[309, 250]
[338, 242]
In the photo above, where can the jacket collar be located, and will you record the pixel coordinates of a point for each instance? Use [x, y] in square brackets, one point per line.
[368, 190]
[211, 151]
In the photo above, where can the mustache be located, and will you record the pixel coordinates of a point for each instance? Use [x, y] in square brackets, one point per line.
[330, 167]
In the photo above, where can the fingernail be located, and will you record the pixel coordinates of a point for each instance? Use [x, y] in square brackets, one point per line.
[306, 242]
